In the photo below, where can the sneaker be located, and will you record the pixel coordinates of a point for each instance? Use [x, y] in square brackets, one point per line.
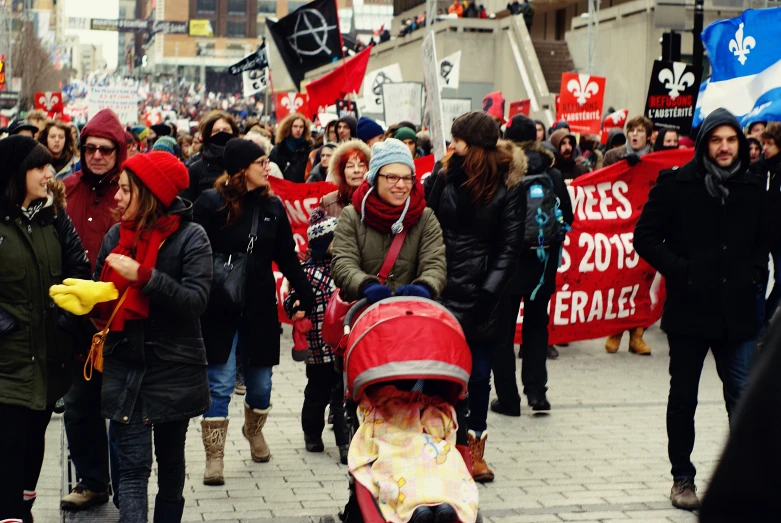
[81, 498]
[500, 408]
[684, 495]
[539, 403]
[552, 353]
[314, 443]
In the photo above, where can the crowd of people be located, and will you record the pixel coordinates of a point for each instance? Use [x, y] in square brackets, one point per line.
[137, 278]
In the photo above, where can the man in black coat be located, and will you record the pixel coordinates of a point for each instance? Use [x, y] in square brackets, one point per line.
[531, 271]
[703, 229]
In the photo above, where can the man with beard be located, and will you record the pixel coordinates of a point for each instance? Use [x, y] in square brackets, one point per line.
[564, 143]
[638, 134]
[704, 229]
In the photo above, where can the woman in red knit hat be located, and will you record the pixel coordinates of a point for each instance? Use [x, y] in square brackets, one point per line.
[154, 376]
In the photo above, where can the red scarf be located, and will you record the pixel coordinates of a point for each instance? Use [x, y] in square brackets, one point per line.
[146, 247]
[380, 215]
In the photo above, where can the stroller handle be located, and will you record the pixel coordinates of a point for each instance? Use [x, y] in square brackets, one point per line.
[348, 318]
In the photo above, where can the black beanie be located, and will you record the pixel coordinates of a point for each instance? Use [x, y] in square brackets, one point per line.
[13, 151]
[521, 129]
[476, 128]
[240, 153]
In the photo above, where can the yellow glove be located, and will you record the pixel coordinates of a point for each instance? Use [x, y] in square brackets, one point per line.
[80, 296]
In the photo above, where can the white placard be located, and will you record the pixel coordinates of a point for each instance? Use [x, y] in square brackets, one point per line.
[433, 103]
[254, 81]
[450, 71]
[452, 108]
[121, 100]
[372, 86]
[403, 102]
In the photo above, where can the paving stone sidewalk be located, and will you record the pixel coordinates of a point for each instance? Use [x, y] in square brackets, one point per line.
[601, 454]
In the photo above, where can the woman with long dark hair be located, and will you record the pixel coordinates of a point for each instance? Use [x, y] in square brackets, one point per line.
[242, 215]
[154, 376]
[478, 198]
[57, 137]
[215, 129]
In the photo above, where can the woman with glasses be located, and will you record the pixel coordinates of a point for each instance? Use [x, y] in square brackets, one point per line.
[242, 202]
[57, 137]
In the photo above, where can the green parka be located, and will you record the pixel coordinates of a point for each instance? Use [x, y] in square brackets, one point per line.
[35, 254]
[359, 251]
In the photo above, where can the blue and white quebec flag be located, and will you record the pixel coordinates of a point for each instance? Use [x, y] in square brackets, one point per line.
[745, 58]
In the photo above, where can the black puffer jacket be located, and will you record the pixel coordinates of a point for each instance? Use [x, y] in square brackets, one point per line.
[205, 171]
[712, 255]
[259, 326]
[291, 163]
[160, 363]
[769, 170]
[482, 243]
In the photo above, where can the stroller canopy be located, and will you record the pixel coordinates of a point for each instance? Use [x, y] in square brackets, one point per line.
[406, 338]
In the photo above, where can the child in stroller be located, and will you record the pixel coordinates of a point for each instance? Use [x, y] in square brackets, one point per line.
[407, 365]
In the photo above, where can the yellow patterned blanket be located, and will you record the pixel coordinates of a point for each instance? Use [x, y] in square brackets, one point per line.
[405, 454]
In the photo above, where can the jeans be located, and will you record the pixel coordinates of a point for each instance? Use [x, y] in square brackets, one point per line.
[323, 387]
[222, 382]
[774, 299]
[480, 385]
[134, 443]
[85, 427]
[687, 354]
[22, 438]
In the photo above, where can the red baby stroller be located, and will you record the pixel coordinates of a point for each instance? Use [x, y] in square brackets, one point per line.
[419, 339]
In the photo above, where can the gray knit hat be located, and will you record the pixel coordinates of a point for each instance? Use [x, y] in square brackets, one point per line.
[384, 153]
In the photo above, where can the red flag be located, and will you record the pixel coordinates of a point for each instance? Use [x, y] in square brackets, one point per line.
[614, 120]
[520, 107]
[337, 84]
[51, 103]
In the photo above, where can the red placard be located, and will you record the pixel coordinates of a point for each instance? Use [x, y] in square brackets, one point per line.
[290, 103]
[615, 120]
[581, 102]
[3, 121]
[520, 107]
[51, 102]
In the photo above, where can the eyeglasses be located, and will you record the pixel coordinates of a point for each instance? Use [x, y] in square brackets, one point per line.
[263, 162]
[105, 150]
[393, 179]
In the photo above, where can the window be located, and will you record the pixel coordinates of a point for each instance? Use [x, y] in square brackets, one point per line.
[237, 7]
[267, 7]
[237, 29]
[206, 6]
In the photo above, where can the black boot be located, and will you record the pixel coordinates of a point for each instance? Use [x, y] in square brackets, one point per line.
[422, 515]
[445, 513]
[313, 443]
[168, 511]
[28, 511]
[344, 450]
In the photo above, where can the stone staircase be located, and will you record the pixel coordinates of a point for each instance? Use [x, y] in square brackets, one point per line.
[554, 59]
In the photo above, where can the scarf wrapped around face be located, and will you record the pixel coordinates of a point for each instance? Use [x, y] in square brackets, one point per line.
[384, 217]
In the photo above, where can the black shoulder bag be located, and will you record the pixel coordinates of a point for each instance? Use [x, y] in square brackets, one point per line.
[229, 278]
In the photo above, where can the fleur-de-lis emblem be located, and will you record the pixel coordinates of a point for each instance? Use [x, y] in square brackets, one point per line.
[618, 116]
[292, 102]
[676, 80]
[583, 88]
[49, 100]
[740, 46]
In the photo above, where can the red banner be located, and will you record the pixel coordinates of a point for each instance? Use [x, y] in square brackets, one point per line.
[520, 107]
[287, 103]
[581, 102]
[51, 102]
[603, 286]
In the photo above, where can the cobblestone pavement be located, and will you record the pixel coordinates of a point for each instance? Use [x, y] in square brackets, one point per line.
[601, 454]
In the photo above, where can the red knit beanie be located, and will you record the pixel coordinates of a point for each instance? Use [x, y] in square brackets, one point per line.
[162, 173]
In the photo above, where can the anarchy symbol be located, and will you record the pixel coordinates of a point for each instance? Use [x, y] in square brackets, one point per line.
[318, 31]
[380, 80]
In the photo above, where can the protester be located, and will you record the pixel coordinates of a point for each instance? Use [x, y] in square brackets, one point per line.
[754, 149]
[161, 264]
[320, 171]
[346, 170]
[185, 142]
[91, 204]
[456, 8]
[590, 156]
[22, 128]
[534, 284]
[638, 131]
[215, 129]
[755, 129]
[615, 139]
[564, 144]
[478, 198]
[291, 152]
[667, 139]
[369, 131]
[133, 144]
[541, 134]
[410, 139]
[424, 143]
[346, 128]
[242, 201]
[40, 248]
[167, 144]
[56, 136]
[38, 118]
[265, 143]
[714, 277]
[329, 135]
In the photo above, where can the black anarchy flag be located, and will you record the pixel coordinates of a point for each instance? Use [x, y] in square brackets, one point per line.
[257, 60]
[308, 38]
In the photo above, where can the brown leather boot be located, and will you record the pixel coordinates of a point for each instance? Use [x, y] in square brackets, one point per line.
[636, 342]
[254, 419]
[213, 432]
[612, 343]
[684, 495]
[480, 471]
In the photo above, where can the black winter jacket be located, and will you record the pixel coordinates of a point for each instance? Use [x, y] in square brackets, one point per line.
[769, 170]
[259, 325]
[482, 244]
[713, 256]
[204, 172]
[291, 163]
[159, 363]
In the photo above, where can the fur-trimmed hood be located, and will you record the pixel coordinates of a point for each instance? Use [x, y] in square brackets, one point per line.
[519, 164]
[538, 158]
[333, 165]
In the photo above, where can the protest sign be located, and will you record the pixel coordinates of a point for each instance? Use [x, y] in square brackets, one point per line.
[433, 102]
[373, 83]
[672, 95]
[452, 108]
[580, 104]
[121, 100]
[403, 102]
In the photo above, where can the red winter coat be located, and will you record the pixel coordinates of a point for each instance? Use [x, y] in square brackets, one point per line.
[90, 198]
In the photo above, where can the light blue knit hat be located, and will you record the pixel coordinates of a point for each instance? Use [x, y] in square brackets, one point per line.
[384, 153]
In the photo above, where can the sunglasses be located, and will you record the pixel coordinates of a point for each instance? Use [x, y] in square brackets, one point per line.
[105, 150]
